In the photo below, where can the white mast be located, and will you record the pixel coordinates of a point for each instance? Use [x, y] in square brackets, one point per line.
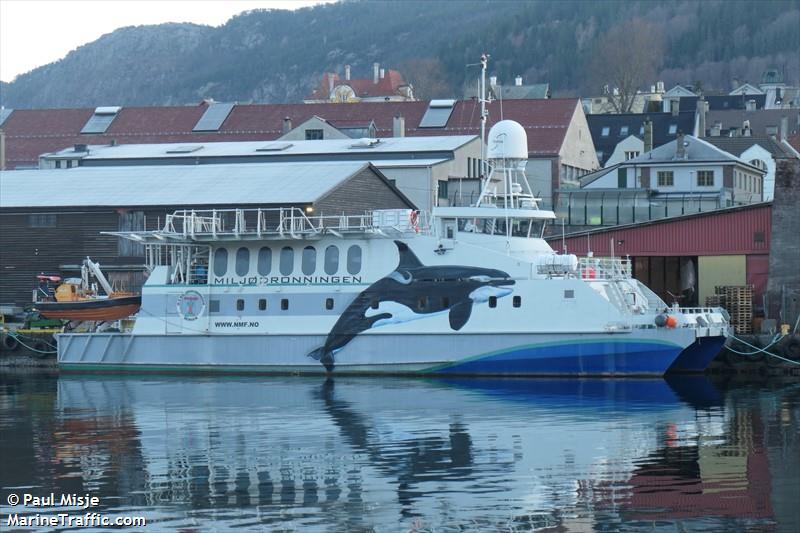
[484, 113]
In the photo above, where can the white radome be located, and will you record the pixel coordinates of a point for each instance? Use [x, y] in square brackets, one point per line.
[507, 140]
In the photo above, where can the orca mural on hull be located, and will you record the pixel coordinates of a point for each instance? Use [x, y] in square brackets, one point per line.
[411, 292]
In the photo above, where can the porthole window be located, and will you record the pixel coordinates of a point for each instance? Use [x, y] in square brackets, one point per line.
[517, 302]
[220, 261]
[262, 304]
[264, 261]
[242, 261]
[287, 260]
[309, 264]
[329, 303]
[354, 259]
[492, 301]
[331, 260]
[240, 305]
[284, 304]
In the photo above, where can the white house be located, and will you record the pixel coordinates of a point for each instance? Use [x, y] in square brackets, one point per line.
[627, 149]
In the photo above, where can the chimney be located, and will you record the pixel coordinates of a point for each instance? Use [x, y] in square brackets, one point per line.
[492, 80]
[716, 130]
[746, 128]
[702, 109]
[347, 72]
[676, 107]
[287, 125]
[2, 150]
[376, 71]
[398, 126]
[735, 84]
[330, 82]
[784, 131]
[660, 86]
[750, 105]
[648, 136]
[383, 73]
[518, 81]
[680, 149]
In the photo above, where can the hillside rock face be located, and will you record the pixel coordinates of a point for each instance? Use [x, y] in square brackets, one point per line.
[277, 56]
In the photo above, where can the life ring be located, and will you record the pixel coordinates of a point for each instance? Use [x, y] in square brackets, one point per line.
[10, 343]
[413, 219]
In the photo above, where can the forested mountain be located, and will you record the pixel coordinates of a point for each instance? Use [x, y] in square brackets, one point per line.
[277, 56]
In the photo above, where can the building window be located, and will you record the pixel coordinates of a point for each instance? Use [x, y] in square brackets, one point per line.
[605, 132]
[705, 178]
[630, 155]
[220, 261]
[442, 190]
[69, 163]
[313, 135]
[58, 164]
[759, 164]
[264, 260]
[240, 305]
[262, 304]
[42, 220]
[665, 178]
[517, 302]
[284, 304]
[287, 260]
[329, 303]
[213, 306]
[492, 301]
[242, 261]
[673, 129]
[354, 259]
[331, 260]
[623, 131]
[309, 263]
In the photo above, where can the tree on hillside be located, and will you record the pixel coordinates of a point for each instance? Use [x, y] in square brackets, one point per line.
[628, 56]
[427, 75]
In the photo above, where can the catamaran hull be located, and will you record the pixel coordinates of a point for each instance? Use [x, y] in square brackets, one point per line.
[646, 352]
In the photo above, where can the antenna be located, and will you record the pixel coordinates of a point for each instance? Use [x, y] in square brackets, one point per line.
[484, 113]
[563, 239]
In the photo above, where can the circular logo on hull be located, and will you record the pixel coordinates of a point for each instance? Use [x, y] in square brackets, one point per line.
[191, 305]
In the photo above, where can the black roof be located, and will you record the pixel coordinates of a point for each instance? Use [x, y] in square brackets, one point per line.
[720, 102]
[662, 126]
[738, 145]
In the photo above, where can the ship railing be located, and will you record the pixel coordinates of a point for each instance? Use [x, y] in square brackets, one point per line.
[604, 268]
[289, 222]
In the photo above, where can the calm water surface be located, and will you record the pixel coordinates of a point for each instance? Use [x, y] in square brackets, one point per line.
[377, 454]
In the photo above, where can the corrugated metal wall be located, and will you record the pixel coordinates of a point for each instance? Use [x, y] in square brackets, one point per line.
[730, 232]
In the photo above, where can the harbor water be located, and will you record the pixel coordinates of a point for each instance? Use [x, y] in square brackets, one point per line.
[389, 454]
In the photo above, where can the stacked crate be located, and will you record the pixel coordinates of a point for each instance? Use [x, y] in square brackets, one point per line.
[738, 301]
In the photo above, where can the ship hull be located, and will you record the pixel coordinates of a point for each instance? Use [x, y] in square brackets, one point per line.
[91, 310]
[646, 352]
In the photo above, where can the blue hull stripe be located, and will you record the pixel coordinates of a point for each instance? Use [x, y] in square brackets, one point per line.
[579, 358]
[697, 356]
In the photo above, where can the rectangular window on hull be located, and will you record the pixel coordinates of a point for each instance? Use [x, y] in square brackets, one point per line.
[284, 304]
[493, 301]
[329, 303]
[213, 306]
[517, 301]
[262, 305]
[240, 305]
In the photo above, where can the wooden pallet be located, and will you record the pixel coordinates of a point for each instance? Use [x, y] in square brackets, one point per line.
[738, 301]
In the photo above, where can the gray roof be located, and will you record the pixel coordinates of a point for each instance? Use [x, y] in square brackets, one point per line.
[738, 145]
[386, 148]
[697, 150]
[521, 92]
[190, 185]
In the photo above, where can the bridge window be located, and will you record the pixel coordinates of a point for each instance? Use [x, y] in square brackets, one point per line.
[287, 260]
[242, 261]
[240, 305]
[329, 303]
[354, 259]
[309, 264]
[220, 261]
[331, 260]
[262, 304]
[264, 261]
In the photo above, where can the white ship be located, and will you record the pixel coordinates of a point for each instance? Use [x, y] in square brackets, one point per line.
[465, 290]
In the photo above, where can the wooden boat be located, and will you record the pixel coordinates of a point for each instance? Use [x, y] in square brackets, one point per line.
[92, 309]
[77, 299]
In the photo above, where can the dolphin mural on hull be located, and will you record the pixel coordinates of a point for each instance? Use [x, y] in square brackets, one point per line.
[414, 291]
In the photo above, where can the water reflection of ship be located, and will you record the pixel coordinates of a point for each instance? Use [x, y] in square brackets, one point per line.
[335, 445]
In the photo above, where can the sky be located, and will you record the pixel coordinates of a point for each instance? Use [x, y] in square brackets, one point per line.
[36, 32]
